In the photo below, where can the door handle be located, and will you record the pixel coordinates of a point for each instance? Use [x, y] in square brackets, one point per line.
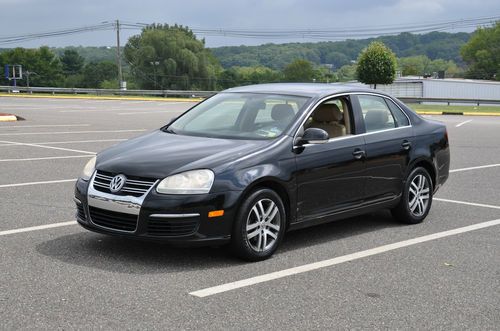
[359, 154]
[406, 145]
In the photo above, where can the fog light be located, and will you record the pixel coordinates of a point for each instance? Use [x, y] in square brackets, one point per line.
[215, 213]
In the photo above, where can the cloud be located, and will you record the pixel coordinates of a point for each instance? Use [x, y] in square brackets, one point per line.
[27, 16]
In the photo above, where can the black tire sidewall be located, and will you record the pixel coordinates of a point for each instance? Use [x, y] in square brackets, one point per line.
[239, 241]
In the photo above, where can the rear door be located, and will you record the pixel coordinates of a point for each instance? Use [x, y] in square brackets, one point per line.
[388, 138]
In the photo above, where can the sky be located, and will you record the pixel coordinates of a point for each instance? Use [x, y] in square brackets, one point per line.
[19, 17]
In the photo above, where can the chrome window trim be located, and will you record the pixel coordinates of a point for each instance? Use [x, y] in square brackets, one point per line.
[355, 135]
[174, 215]
[312, 107]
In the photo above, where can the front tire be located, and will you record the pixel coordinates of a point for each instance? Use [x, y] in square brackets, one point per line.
[259, 226]
[416, 199]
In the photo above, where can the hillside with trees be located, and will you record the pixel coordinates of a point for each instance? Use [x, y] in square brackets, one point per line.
[172, 57]
[434, 45]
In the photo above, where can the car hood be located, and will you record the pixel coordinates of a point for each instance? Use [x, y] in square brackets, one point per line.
[159, 154]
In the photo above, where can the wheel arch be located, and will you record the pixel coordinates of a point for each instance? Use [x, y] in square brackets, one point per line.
[276, 185]
[427, 165]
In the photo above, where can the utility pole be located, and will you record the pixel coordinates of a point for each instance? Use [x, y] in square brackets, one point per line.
[119, 55]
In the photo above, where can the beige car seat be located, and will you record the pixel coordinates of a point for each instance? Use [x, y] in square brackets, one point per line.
[328, 117]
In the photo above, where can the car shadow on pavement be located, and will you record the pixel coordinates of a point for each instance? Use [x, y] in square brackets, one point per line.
[130, 256]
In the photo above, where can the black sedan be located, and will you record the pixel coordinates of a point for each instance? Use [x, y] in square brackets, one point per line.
[250, 163]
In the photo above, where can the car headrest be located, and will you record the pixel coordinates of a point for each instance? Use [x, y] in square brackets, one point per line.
[328, 112]
[281, 112]
[376, 119]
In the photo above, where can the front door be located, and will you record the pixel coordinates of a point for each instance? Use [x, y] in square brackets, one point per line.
[330, 176]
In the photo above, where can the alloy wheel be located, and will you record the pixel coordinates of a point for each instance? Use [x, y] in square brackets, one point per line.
[419, 195]
[263, 225]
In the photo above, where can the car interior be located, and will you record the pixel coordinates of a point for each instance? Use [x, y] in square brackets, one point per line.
[333, 117]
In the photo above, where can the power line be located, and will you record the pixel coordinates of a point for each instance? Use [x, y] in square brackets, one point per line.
[339, 33]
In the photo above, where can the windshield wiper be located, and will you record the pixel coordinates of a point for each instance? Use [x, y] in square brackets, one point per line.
[169, 130]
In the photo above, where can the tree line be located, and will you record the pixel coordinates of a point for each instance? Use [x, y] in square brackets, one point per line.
[171, 57]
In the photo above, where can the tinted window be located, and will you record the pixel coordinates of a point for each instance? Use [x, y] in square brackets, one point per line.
[376, 113]
[401, 119]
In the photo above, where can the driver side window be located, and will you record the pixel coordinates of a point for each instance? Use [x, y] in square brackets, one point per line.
[333, 116]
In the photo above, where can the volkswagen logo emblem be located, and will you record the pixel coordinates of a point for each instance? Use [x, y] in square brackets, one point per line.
[117, 183]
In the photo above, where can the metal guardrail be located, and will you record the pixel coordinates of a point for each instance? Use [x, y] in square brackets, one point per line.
[449, 101]
[196, 94]
[104, 92]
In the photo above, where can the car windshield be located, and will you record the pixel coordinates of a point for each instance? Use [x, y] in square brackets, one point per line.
[240, 116]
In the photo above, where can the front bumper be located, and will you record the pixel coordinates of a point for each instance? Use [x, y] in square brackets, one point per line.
[176, 219]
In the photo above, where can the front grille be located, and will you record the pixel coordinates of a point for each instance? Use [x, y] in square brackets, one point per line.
[113, 220]
[80, 213]
[134, 186]
[172, 227]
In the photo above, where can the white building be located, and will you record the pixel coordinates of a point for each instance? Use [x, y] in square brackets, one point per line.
[448, 88]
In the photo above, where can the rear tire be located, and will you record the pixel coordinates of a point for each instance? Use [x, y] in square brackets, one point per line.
[416, 199]
[259, 225]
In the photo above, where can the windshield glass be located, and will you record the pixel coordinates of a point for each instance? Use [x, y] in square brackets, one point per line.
[240, 116]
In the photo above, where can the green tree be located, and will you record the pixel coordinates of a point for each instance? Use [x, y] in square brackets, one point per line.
[482, 53]
[72, 62]
[170, 57]
[42, 64]
[299, 71]
[95, 74]
[376, 65]
[346, 73]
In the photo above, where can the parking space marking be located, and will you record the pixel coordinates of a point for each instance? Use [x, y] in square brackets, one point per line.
[69, 142]
[467, 203]
[36, 228]
[337, 260]
[45, 158]
[462, 123]
[39, 183]
[150, 112]
[474, 168]
[67, 132]
[48, 147]
[44, 126]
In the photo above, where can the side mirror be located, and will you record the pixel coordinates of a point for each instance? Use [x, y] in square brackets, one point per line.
[314, 136]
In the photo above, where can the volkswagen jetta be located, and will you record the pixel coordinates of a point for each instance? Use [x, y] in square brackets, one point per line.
[250, 163]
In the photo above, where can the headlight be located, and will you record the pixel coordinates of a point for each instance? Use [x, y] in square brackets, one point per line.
[189, 182]
[88, 170]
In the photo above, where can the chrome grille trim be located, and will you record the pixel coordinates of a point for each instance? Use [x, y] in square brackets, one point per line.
[133, 187]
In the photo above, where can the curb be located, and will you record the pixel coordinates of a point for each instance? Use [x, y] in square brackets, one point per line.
[7, 117]
[100, 97]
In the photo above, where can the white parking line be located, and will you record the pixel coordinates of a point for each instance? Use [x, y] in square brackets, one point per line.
[44, 126]
[36, 228]
[68, 142]
[337, 260]
[48, 147]
[464, 122]
[39, 183]
[151, 112]
[478, 167]
[467, 203]
[90, 110]
[45, 158]
[67, 132]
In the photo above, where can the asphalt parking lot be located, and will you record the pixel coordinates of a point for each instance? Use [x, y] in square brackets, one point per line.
[56, 275]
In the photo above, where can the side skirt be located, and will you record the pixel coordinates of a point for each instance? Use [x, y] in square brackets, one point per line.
[360, 209]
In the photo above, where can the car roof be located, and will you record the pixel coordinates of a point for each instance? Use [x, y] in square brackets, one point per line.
[301, 89]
